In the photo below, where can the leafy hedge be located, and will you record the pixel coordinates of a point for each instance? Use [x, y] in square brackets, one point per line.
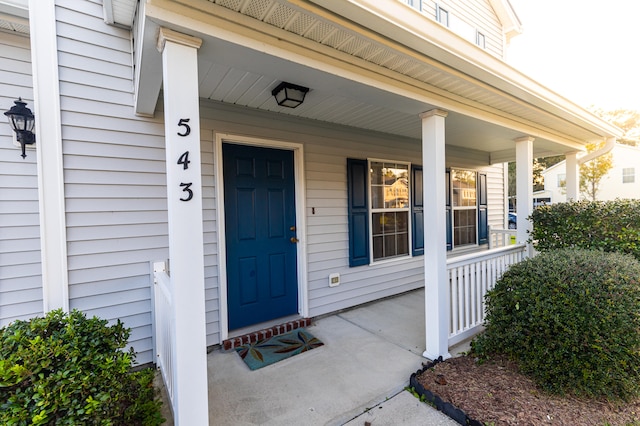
[571, 319]
[611, 226]
[69, 370]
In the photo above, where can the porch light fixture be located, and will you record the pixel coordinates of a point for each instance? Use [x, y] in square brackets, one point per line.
[21, 120]
[289, 95]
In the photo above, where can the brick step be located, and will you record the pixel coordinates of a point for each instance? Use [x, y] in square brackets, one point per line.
[265, 333]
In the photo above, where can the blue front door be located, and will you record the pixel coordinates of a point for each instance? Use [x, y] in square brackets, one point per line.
[260, 221]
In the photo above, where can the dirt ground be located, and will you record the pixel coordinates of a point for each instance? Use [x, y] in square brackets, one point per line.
[496, 394]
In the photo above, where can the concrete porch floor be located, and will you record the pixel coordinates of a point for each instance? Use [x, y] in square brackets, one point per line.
[358, 376]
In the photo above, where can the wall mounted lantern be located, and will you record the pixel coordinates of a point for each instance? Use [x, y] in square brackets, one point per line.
[289, 95]
[21, 120]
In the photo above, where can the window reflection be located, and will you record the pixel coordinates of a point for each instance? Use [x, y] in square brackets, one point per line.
[465, 213]
[390, 209]
[389, 185]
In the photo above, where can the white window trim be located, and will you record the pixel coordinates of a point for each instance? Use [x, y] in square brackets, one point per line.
[415, 4]
[439, 11]
[480, 36]
[373, 261]
[454, 208]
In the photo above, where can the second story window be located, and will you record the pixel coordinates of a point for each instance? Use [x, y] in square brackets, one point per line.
[628, 175]
[416, 4]
[562, 180]
[480, 40]
[442, 16]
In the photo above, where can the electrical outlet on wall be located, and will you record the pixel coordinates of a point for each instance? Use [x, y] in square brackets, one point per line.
[334, 280]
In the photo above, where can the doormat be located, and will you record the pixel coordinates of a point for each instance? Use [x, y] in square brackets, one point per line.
[265, 352]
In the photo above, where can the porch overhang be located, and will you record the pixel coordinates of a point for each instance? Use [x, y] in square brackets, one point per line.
[368, 66]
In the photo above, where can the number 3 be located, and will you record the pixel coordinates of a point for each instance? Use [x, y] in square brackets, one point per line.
[186, 188]
[187, 129]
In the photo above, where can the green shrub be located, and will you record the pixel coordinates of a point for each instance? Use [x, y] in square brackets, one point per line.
[571, 320]
[611, 226]
[69, 370]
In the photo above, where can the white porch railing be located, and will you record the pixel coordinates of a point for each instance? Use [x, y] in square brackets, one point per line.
[164, 322]
[470, 277]
[501, 237]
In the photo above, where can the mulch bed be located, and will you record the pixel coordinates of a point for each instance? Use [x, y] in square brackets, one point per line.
[494, 393]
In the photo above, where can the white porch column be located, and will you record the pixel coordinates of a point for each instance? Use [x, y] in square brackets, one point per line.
[572, 176]
[184, 192]
[436, 281]
[51, 201]
[524, 186]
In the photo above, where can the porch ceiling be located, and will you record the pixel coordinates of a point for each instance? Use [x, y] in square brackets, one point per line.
[249, 81]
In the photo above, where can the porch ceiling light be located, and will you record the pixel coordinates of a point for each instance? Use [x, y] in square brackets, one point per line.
[289, 95]
[21, 120]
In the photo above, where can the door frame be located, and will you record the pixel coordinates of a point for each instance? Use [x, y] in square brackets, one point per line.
[301, 228]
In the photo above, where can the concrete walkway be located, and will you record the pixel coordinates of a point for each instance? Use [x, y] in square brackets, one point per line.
[358, 376]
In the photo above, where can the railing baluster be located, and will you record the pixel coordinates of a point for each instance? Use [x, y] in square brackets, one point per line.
[454, 300]
[467, 296]
[163, 296]
[470, 277]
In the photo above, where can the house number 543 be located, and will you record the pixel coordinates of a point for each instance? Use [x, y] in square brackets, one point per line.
[184, 161]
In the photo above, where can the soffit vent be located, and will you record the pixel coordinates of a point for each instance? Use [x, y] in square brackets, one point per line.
[13, 26]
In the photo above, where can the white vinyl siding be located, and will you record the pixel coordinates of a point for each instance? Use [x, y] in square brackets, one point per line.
[496, 195]
[114, 175]
[326, 149]
[466, 18]
[20, 269]
[612, 185]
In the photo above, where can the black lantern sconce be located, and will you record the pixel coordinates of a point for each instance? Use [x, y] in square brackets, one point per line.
[289, 95]
[22, 120]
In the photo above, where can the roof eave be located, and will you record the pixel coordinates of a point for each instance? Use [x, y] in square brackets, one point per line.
[410, 28]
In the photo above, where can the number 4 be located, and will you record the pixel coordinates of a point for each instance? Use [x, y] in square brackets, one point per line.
[184, 160]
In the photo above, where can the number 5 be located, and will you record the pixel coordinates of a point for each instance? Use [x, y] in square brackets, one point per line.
[187, 129]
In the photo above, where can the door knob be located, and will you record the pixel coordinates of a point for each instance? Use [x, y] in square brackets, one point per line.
[294, 240]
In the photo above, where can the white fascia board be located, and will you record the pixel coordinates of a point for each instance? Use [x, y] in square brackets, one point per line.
[511, 25]
[412, 29]
[16, 8]
[561, 164]
[16, 5]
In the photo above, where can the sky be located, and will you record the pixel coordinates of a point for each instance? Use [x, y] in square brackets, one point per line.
[585, 50]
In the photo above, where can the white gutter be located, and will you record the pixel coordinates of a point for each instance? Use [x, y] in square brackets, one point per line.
[608, 146]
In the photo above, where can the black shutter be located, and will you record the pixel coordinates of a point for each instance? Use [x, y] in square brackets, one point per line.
[483, 211]
[358, 212]
[417, 211]
[448, 210]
